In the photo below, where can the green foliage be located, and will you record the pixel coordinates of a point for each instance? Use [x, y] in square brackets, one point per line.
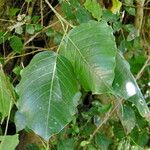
[13, 11]
[102, 141]
[50, 32]
[66, 144]
[94, 74]
[9, 142]
[127, 117]
[93, 7]
[16, 44]
[126, 87]
[80, 92]
[7, 96]
[30, 29]
[44, 88]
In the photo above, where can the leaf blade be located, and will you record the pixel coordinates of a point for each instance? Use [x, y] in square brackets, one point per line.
[9, 142]
[93, 7]
[6, 94]
[48, 77]
[127, 117]
[92, 55]
[16, 44]
[125, 86]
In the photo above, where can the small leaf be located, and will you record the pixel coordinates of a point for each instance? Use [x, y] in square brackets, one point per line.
[9, 142]
[131, 11]
[118, 130]
[49, 94]
[3, 37]
[66, 144]
[128, 2]
[126, 87]
[132, 35]
[35, 19]
[127, 117]
[67, 9]
[57, 38]
[84, 143]
[93, 7]
[16, 44]
[38, 27]
[19, 30]
[30, 29]
[50, 32]
[116, 5]
[6, 94]
[140, 137]
[13, 11]
[92, 56]
[17, 70]
[102, 141]
[104, 108]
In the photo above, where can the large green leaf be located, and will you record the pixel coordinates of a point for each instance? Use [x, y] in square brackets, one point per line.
[91, 49]
[8, 142]
[125, 86]
[48, 94]
[6, 94]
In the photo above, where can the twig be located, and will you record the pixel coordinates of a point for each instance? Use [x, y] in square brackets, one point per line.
[6, 128]
[35, 35]
[143, 68]
[60, 18]
[104, 120]
[135, 6]
[38, 50]
[4, 20]
[41, 7]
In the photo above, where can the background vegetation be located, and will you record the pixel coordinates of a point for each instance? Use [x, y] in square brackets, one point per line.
[100, 112]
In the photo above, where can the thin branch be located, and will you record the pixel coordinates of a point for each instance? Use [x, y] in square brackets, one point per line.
[135, 6]
[35, 35]
[104, 121]
[4, 20]
[143, 68]
[38, 50]
[41, 7]
[60, 18]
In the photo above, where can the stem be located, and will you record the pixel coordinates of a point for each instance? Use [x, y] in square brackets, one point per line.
[139, 14]
[104, 120]
[60, 18]
[143, 68]
[6, 128]
[35, 35]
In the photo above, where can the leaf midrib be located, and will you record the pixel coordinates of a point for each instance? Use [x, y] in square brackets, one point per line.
[50, 94]
[111, 90]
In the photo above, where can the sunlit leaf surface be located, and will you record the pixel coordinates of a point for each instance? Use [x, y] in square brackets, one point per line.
[48, 94]
[91, 49]
[125, 86]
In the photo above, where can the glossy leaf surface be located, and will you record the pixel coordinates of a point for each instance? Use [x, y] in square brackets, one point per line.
[125, 86]
[91, 49]
[48, 94]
